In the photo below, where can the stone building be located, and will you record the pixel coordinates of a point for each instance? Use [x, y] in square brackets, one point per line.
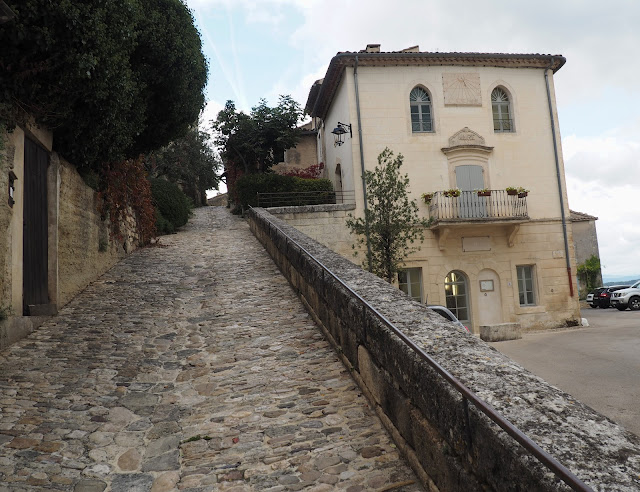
[304, 154]
[469, 121]
[585, 241]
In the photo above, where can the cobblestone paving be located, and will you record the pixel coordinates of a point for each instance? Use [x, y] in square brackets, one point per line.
[191, 366]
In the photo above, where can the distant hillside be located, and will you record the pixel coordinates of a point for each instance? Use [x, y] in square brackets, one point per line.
[614, 280]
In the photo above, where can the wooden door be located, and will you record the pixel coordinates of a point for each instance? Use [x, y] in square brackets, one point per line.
[35, 233]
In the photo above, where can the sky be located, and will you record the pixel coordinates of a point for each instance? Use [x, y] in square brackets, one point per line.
[265, 48]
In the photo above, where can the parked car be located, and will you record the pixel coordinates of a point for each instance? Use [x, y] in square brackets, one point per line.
[592, 294]
[446, 314]
[603, 299]
[627, 298]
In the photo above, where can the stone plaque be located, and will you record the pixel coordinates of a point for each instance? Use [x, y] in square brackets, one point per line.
[478, 243]
[465, 137]
[461, 89]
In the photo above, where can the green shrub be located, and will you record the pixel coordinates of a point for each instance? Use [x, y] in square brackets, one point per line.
[249, 185]
[172, 206]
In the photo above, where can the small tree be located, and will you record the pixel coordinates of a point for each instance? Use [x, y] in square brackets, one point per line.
[391, 220]
[190, 162]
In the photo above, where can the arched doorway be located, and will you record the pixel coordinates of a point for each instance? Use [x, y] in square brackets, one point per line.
[456, 290]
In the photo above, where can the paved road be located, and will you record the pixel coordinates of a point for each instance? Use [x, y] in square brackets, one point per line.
[194, 367]
[599, 365]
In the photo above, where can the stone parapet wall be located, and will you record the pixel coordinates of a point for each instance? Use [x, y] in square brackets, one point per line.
[426, 415]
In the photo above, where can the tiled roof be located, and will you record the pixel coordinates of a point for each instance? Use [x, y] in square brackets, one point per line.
[323, 91]
[581, 216]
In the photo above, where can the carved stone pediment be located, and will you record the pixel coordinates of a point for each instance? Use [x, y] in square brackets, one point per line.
[466, 140]
[465, 137]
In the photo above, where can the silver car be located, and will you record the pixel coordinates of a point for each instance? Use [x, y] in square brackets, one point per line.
[627, 298]
[446, 314]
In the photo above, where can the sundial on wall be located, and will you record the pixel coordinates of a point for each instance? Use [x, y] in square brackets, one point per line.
[461, 89]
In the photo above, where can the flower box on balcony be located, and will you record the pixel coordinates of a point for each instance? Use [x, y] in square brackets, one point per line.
[453, 192]
[511, 190]
[427, 197]
[484, 192]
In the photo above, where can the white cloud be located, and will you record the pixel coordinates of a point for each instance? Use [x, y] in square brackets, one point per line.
[603, 179]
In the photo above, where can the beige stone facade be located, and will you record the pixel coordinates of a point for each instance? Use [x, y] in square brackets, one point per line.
[304, 154]
[78, 244]
[469, 121]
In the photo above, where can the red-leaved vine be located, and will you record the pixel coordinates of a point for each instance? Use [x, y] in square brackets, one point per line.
[126, 190]
[311, 172]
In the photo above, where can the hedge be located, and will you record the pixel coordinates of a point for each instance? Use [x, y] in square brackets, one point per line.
[248, 186]
[173, 207]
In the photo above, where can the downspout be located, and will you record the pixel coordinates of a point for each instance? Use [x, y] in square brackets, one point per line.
[364, 183]
[555, 153]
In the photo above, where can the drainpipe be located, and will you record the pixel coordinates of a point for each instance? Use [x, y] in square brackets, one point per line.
[364, 183]
[555, 153]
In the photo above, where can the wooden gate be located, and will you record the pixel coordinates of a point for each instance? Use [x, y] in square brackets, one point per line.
[35, 230]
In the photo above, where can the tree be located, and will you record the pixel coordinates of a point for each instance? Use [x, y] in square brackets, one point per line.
[111, 79]
[391, 220]
[190, 162]
[254, 142]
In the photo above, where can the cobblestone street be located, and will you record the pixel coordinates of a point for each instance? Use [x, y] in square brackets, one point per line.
[189, 366]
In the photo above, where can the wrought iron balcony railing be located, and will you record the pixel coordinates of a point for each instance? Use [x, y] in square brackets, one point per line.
[289, 199]
[471, 207]
[503, 125]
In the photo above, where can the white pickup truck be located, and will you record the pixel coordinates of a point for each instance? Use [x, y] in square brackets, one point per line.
[627, 298]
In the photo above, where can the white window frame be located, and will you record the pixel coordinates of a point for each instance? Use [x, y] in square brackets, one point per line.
[416, 100]
[501, 100]
[405, 286]
[526, 296]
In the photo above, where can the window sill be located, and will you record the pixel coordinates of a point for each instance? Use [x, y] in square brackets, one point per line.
[529, 309]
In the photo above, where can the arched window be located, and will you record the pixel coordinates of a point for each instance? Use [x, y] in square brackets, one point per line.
[502, 114]
[456, 292]
[420, 111]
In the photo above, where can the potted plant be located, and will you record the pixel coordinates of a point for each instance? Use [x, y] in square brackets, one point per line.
[522, 192]
[427, 197]
[511, 190]
[483, 192]
[453, 192]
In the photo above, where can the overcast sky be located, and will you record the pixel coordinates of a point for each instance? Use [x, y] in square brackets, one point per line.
[264, 48]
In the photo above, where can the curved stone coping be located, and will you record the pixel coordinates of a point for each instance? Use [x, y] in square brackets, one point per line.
[303, 209]
[426, 412]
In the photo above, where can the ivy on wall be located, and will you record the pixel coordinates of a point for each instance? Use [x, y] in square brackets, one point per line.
[126, 190]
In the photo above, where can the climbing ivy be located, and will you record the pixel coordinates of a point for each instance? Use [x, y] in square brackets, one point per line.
[126, 192]
[589, 271]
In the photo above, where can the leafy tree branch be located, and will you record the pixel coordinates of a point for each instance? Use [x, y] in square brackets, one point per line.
[391, 219]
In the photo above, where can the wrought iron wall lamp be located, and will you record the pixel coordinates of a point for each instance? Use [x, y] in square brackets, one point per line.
[338, 133]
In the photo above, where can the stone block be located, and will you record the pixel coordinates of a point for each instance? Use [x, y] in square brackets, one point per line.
[500, 332]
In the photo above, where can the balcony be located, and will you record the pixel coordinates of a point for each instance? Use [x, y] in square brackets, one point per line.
[469, 209]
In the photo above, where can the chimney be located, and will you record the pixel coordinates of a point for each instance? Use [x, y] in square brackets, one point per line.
[372, 48]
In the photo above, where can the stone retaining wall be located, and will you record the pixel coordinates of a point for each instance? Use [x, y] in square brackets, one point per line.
[423, 413]
[324, 223]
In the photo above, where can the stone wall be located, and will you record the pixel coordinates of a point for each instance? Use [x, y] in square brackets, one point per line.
[425, 415]
[323, 223]
[80, 248]
[85, 248]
